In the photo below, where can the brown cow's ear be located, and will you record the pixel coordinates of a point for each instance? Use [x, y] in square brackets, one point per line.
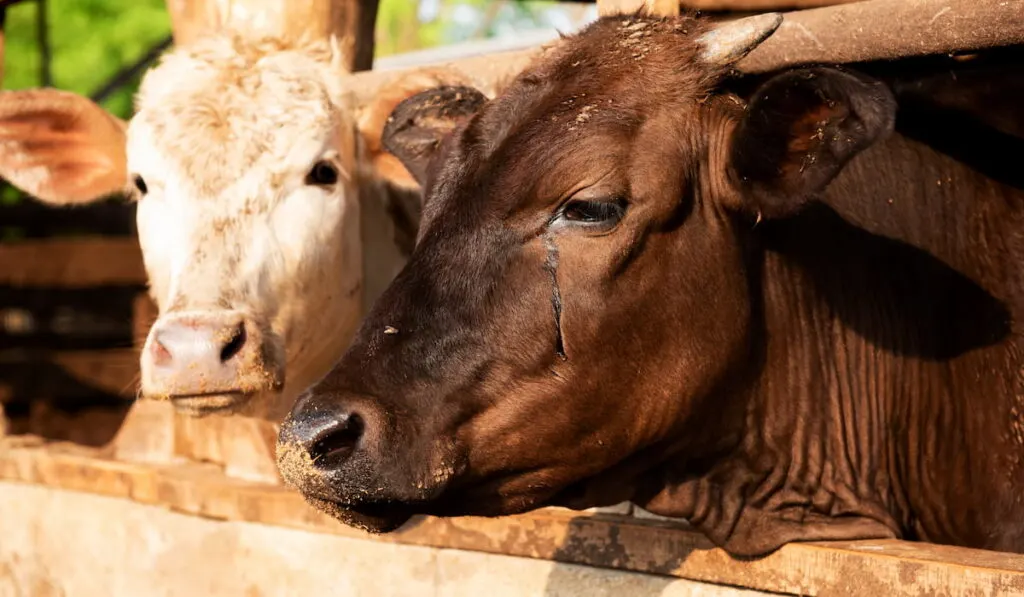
[376, 114]
[61, 147]
[420, 123]
[800, 130]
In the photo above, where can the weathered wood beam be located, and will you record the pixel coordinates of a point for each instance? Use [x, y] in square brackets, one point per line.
[351, 21]
[888, 29]
[672, 7]
[757, 5]
[73, 374]
[113, 371]
[72, 263]
[851, 568]
[845, 33]
[664, 8]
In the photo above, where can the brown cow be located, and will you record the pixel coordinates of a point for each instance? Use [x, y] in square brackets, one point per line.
[779, 321]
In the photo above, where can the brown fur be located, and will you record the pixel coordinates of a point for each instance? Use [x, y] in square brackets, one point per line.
[801, 328]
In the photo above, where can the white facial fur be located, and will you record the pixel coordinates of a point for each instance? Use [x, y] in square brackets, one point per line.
[226, 134]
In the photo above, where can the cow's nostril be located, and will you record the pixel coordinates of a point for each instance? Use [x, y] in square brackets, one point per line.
[337, 442]
[161, 356]
[234, 344]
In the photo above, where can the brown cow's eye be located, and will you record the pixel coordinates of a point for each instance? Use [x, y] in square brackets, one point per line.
[140, 184]
[594, 212]
[323, 173]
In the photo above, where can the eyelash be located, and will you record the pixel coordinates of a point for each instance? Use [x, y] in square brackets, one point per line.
[591, 214]
[323, 173]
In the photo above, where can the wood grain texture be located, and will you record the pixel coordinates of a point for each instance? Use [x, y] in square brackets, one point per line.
[839, 34]
[350, 21]
[664, 8]
[72, 263]
[757, 5]
[886, 30]
[855, 569]
[114, 371]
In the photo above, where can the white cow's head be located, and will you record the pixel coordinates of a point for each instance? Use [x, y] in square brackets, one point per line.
[242, 157]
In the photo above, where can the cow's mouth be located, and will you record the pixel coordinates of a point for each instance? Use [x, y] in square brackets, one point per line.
[199, 405]
[378, 518]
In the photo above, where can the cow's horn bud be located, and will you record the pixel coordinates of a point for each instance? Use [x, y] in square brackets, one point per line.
[731, 41]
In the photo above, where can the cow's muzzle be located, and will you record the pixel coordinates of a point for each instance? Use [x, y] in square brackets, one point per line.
[348, 460]
[207, 362]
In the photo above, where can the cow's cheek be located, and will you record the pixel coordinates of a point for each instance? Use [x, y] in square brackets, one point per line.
[164, 241]
[310, 263]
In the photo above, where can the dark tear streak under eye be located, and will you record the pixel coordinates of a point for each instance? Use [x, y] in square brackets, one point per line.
[551, 265]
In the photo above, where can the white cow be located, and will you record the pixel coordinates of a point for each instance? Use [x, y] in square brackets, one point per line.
[244, 156]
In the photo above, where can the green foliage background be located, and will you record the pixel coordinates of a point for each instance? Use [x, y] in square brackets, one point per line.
[90, 41]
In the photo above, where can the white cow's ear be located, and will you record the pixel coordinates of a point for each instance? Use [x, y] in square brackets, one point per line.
[61, 147]
[414, 131]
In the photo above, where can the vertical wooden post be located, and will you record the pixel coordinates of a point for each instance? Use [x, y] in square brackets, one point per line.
[661, 8]
[351, 21]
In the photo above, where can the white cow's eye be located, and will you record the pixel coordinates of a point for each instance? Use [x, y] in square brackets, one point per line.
[140, 184]
[323, 173]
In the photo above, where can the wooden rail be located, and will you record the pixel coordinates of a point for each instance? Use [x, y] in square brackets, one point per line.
[842, 34]
[852, 569]
[72, 263]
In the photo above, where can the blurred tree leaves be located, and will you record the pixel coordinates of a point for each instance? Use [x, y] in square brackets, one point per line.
[90, 41]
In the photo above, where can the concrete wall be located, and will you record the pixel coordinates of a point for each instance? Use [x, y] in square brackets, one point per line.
[64, 543]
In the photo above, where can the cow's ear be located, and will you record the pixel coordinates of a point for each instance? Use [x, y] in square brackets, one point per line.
[418, 125]
[61, 147]
[377, 113]
[799, 131]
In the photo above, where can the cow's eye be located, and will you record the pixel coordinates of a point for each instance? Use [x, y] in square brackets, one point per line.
[323, 173]
[605, 213]
[140, 184]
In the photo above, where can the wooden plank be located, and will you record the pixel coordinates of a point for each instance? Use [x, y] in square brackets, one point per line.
[193, 553]
[758, 5]
[113, 371]
[854, 569]
[887, 30]
[845, 33]
[350, 21]
[72, 263]
[72, 375]
[664, 8]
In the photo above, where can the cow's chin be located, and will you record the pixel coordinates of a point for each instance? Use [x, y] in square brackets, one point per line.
[372, 518]
[223, 403]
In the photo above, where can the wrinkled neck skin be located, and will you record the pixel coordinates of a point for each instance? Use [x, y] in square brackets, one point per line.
[884, 395]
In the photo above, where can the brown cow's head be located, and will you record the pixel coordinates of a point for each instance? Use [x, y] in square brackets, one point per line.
[577, 308]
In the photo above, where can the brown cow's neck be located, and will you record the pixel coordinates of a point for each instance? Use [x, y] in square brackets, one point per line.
[880, 318]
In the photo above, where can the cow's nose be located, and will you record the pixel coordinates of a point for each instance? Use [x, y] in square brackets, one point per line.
[327, 437]
[204, 354]
[204, 342]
